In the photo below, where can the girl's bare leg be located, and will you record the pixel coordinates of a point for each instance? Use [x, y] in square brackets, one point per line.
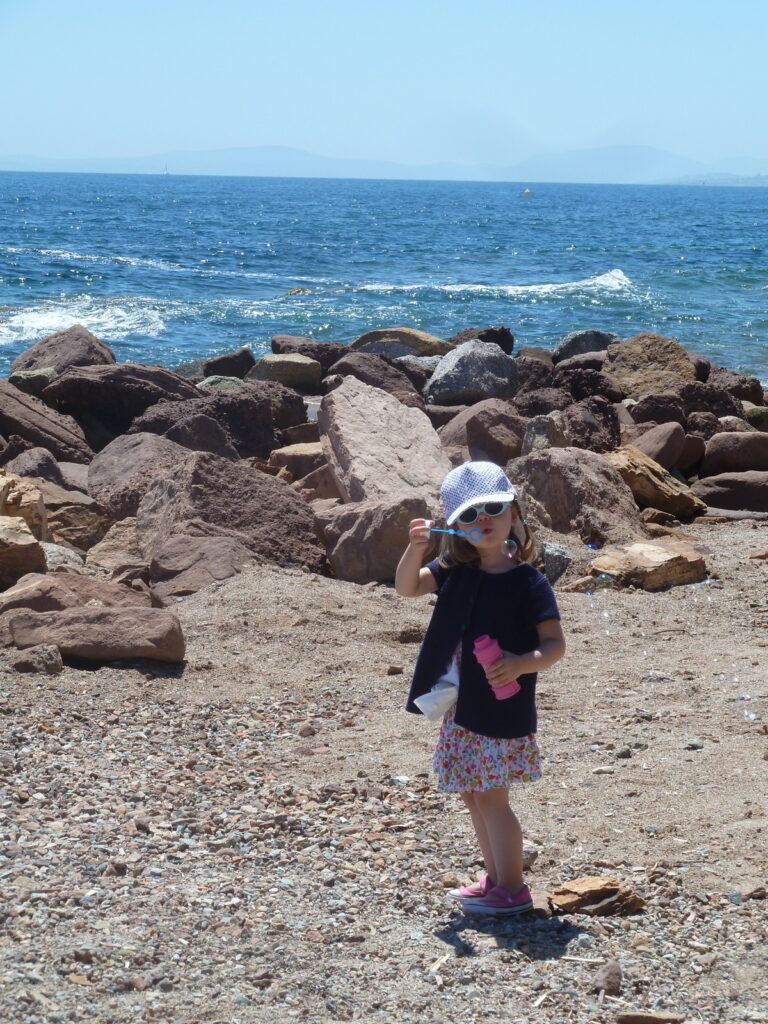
[504, 836]
[478, 823]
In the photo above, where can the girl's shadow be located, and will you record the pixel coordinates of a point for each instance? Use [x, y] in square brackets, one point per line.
[534, 938]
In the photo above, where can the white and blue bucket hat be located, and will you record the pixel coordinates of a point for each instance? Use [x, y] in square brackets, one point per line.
[474, 483]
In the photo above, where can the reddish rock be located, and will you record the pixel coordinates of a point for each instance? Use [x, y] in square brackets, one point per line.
[439, 415]
[208, 496]
[375, 371]
[703, 424]
[664, 444]
[122, 473]
[73, 517]
[533, 374]
[570, 489]
[45, 659]
[377, 448]
[542, 402]
[585, 361]
[735, 453]
[662, 408]
[66, 588]
[74, 476]
[319, 485]
[586, 384]
[119, 551]
[492, 431]
[536, 352]
[747, 389]
[230, 364]
[649, 364]
[74, 347]
[106, 399]
[592, 423]
[691, 455]
[201, 433]
[419, 342]
[36, 462]
[42, 427]
[299, 459]
[184, 564]
[580, 342]
[324, 352]
[743, 491]
[699, 397]
[102, 634]
[364, 540]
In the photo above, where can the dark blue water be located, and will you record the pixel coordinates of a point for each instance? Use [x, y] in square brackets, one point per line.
[166, 269]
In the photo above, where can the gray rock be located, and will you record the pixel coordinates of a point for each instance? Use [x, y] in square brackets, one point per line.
[219, 383]
[32, 382]
[608, 979]
[472, 372]
[578, 343]
[556, 560]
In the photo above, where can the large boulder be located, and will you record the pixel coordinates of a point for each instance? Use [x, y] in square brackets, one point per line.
[532, 374]
[36, 462]
[542, 402]
[592, 423]
[205, 495]
[586, 384]
[20, 551]
[703, 425]
[74, 347]
[580, 342]
[251, 417]
[293, 371]
[229, 364]
[183, 565]
[491, 431]
[659, 408]
[102, 634]
[649, 364]
[664, 444]
[73, 517]
[743, 491]
[21, 497]
[201, 433]
[324, 352]
[32, 382]
[32, 420]
[651, 484]
[698, 397]
[364, 540]
[106, 399]
[747, 389]
[375, 371]
[756, 415]
[419, 342]
[377, 448]
[572, 490]
[501, 336]
[122, 473]
[586, 361]
[471, 372]
[735, 453]
[65, 588]
[118, 551]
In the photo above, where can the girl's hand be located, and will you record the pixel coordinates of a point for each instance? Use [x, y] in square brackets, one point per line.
[418, 533]
[504, 670]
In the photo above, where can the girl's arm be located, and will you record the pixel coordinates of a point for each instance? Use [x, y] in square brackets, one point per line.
[410, 579]
[551, 649]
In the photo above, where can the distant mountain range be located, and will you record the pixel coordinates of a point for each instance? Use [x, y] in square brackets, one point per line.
[619, 165]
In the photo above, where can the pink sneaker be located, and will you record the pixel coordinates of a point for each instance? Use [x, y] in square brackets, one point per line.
[470, 892]
[499, 901]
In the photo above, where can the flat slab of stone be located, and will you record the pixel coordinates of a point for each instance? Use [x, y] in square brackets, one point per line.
[650, 565]
[42, 426]
[293, 370]
[420, 343]
[652, 485]
[377, 448]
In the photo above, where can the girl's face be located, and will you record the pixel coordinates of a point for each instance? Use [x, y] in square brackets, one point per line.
[495, 529]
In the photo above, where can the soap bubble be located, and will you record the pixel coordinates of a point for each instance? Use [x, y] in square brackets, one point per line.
[604, 582]
[509, 548]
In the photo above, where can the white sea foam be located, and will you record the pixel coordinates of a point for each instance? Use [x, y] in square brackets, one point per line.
[615, 281]
[111, 318]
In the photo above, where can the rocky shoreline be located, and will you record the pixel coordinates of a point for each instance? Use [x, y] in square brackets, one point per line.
[215, 807]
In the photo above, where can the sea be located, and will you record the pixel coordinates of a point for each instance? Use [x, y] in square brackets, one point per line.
[166, 268]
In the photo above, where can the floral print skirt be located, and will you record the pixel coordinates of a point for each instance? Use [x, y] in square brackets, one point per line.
[465, 761]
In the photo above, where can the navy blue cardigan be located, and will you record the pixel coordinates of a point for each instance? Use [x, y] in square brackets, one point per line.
[507, 606]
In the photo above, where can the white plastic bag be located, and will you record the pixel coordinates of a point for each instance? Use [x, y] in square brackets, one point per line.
[442, 696]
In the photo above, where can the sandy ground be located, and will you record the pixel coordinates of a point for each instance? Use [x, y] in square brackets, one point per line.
[255, 837]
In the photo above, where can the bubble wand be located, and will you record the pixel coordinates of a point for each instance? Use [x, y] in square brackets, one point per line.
[466, 534]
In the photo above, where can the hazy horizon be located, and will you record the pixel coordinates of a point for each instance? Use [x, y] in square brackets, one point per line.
[501, 84]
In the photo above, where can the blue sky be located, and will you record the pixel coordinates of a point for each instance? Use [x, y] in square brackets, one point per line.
[418, 81]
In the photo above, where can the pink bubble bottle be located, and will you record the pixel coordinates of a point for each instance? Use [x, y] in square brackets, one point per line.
[487, 652]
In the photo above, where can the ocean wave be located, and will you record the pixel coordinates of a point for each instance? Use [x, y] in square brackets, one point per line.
[112, 318]
[280, 280]
[615, 281]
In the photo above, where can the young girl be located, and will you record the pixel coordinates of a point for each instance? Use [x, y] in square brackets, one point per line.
[485, 587]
